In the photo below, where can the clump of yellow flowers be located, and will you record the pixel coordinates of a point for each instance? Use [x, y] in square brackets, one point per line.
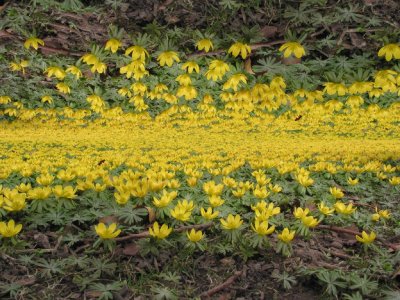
[232, 154]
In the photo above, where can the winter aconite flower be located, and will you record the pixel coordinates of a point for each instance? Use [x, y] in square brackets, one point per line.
[344, 209]
[167, 58]
[286, 236]
[352, 181]
[204, 44]
[336, 192]
[63, 88]
[262, 227]
[300, 213]
[195, 236]
[294, 48]
[309, 221]
[33, 42]
[137, 53]
[231, 222]
[160, 232]
[56, 72]
[366, 238]
[113, 45]
[190, 66]
[240, 49]
[209, 214]
[326, 210]
[390, 51]
[74, 71]
[105, 232]
[9, 229]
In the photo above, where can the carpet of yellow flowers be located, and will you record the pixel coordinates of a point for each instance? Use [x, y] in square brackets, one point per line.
[238, 168]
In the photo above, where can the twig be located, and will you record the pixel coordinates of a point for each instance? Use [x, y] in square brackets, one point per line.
[146, 233]
[50, 250]
[222, 286]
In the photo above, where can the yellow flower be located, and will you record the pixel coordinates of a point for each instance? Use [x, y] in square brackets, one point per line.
[261, 192]
[15, 66]
[332, 88]
[190, 66]
[99, 67]
[384, 214]
[194, 236]
[63, 88]
[366, 238]
[352, 181]
[47, 99]
[204, 44]
[105, 232]
[217, 69]
[122, 198]
[40, 193]
[180, 213]
[14, 201]
[160, 232]
[275, 188]
[375, 217]
[165, 199]
[304, 180]
[9, 229]
[67, 192]
[113, 45]
[309, 221]
[213, 189]
[234, 81]
[390, 51]
[137, 53]
[286, 236]
[90, 58]
[215, 201]
[231, 222]
[325, 209]
[45, 179]
[343, 209]
[5, 99]
[299, 213]
[184, 80]
[290, 48]
[209, 214]
[394, 180]
[261, 228]
[24, 187]
[74, 71]
[33, 42]
[239, 48]
[336, 192]
[167, 58]
[55, 71]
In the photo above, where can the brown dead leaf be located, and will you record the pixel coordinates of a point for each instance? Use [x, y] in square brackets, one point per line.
[109, 219]
[247, 66]
[152, 214]
[268, 31]
[42, 240]
[26, 280]
[93, 294]
[131, 249]
[290, 60]
[357, 40]
[227, 261]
